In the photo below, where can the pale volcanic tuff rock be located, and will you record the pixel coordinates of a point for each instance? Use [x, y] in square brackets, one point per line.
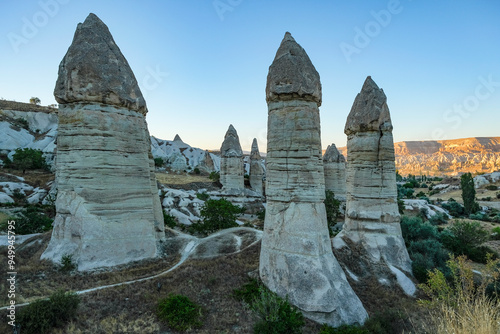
[334, 165]
[256, 171]
[108, 208]
[296, 258]
[232, 172]
[372, 217]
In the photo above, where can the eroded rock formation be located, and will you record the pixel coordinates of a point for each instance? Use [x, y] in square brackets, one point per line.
[296, 257]
[231, 165]
[108, 208]
[334, 165]
[372, 218]
[256, 170]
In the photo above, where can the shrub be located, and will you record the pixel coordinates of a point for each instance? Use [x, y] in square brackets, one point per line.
[214, 176]
[332, 210]
[202, 196]
[159, 162]
[261, 214]
[277, 315]
[67, 263]
[462, 306]
[197, 171]
[169, 220]
[498, 195]
[454, 208]
[420, 194]
[401, 206]
[217, 215]
[248, 292]
[426, 255]
[413, 228]
[33, 220]
[479, 216]
[42, 315]
[438, 219]
[28, 158]
[179, 312]
[491, 187]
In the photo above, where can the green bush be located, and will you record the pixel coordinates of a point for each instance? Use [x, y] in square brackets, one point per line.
[42, 315]
[495, 233]
[438, 219]
[413, 228]
[248, 292]
[217, 214]
[33, 220]
[159, 162]
[261, 214]
[202, 196]
[276, 315]
[214, 176]
[454, 208]
[169, 220]
[197, 171]
[332, 206]
[179, 312]
[67, 263]
[27, 159]
[491, 187]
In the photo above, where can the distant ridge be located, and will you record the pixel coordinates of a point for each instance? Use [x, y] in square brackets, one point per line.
[21, 106]
[446, 157]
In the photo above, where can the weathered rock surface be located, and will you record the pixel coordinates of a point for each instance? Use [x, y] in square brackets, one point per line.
[256, 171]
[372, 218]
[231, 165]
[108, 208]
[296, 257]
[95, 70]
[334, 165]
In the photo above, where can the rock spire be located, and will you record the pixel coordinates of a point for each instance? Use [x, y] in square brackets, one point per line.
[231, 164]
[334, 165]
[256, 171]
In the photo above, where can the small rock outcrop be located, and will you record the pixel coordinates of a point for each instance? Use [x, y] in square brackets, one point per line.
[334, 165]
[296, 257]
[372, 217]
[231, 165]
[108, 208]
[256, 171]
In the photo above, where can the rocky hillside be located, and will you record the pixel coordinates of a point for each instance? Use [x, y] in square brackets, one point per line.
[447, 157]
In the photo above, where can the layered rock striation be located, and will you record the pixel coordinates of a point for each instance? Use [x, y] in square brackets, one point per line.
[334, 165]
[256, 174]
[108, 208]
[296, 257]
[372, 217]
[232, 172]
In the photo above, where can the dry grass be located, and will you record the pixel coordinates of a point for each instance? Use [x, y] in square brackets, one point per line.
[183, 178]
[35, 178]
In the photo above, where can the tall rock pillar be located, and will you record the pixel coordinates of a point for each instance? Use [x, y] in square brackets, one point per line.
[296, 257]
[334, 165]
[372, 216]
[256, 171]
[232, 173]
[108, 209]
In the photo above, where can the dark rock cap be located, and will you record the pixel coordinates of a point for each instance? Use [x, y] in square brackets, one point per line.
[255, 154]
[369, 111]
[332, 154]
[292, 74]
[231, 146]
[95, 70]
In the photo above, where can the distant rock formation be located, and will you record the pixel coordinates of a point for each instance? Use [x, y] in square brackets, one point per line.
[108, 208]
[231, 166]
[256, 171]
[296, 258]
[334, 165]
[372, 217]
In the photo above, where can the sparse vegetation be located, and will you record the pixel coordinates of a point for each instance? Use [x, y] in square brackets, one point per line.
[491, 187]
[67, 263]
[159, 162]
[169, 220]
[180, 312]
[214, 176]
[276, 315]
[454, 208]
[203, 196]
[332, 210]
[27, 159]
[32, 219]
[42, 315]
[248, 292]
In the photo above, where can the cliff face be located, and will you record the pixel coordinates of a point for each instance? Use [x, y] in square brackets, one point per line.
[447, 157]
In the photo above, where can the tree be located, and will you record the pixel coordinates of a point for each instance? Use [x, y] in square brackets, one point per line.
[28, 158]
[469, 194]
[35, 100]
[217, 215]
[332, 206]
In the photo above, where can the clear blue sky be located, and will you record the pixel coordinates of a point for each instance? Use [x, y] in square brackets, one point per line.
[203, 64]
